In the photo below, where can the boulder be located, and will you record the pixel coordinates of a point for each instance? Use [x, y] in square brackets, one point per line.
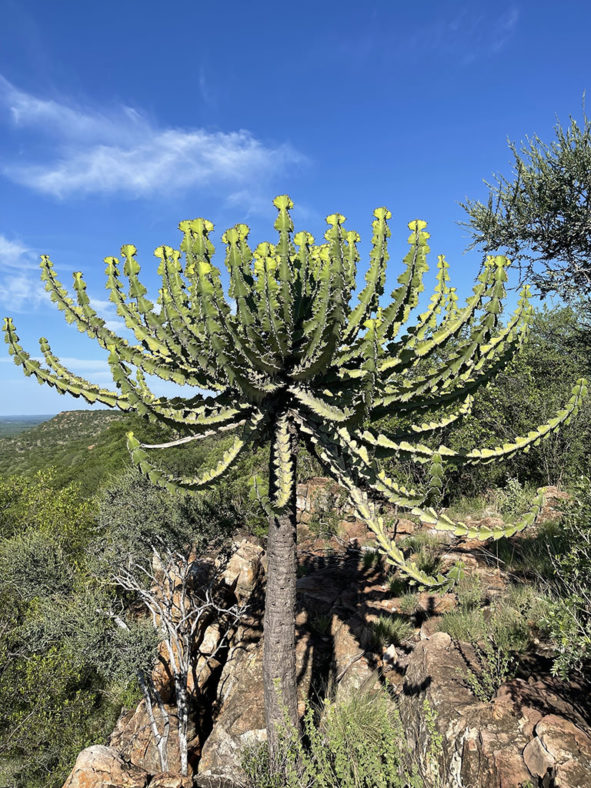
[565, 751]
[351, 667]
[553, 503]
[103, 767]
[134, 741]
[240, 720]
[243, 569]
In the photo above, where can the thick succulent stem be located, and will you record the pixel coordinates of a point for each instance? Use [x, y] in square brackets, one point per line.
[279, 666]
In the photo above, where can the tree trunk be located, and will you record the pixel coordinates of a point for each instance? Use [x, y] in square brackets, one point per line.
[279, 666]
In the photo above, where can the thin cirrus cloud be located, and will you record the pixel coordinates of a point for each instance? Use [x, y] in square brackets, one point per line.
[97, 369]
[472, 33]
[125, 152]
[20, 288]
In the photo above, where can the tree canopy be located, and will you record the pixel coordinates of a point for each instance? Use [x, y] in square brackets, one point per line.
[542, 214]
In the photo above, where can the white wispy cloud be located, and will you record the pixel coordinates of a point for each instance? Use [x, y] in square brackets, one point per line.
[20, 288]
[472, 33]
[124, 151]
[96, 370]
[503, 28]
[108, 312]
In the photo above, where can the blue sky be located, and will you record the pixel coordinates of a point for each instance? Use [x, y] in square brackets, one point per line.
[119, 119]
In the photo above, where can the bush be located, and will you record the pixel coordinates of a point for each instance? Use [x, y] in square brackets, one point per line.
[389, 629]
[358, 742]
[569, 618]
[498, 633]
[133, 515]
[514, 499]
[469, 592]
[425, 549]
[409, 603]
[53, 702]
[493, 669]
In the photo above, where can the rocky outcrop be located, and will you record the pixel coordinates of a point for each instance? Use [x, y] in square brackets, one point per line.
[103, 767]
[133, 739]
[243, 569]
[526, 735]
[170, 780]
[327, 650]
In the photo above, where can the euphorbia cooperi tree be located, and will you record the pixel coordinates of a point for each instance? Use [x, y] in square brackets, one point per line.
[292, 360]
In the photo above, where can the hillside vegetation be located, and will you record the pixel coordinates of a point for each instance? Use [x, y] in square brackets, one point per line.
[71, 508]
[12, 425]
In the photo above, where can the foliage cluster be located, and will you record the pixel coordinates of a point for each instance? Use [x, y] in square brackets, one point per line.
[542, 215]
[66, 668]
[52, 701]
[389, 629]
[529, 389]
[499, 631]
[357, 742]
[569, 618]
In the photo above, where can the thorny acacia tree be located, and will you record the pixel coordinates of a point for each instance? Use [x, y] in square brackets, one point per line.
[294, 361]
[542, 215]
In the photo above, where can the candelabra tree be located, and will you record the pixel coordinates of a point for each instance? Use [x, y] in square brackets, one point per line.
[292, 360]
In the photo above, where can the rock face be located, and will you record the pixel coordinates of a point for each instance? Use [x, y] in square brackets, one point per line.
[507, 743]
[327, 649]
[528, 735]
[170, 780]
[103, 767]
[133, 739]
[243, 569]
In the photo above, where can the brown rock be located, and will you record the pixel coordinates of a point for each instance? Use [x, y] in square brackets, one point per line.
[103, 767]
[554, 500]
[538, 760]
[352, 669]
[355, 530]
[430, 627]
[240, 721]
[569, 747]
[436, 604]
[170, 780]
[317, 586]
[506, 743]
[134, 740]
[210, 640]
[405, 527]
[243, 569]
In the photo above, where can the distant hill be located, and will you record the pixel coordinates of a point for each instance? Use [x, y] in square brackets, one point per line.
[89, 447]
[12, 425]
[83, 445]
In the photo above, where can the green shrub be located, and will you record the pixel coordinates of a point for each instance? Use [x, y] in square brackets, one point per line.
[397, 585]
[513, 499]
[409, 603]
[498, 633]
[325, 524]
[469, 592]
[569, 616]
[493, 669]
[320, 623]
[358, 742]
[370, 558]
[425, 548]
[388, 629]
